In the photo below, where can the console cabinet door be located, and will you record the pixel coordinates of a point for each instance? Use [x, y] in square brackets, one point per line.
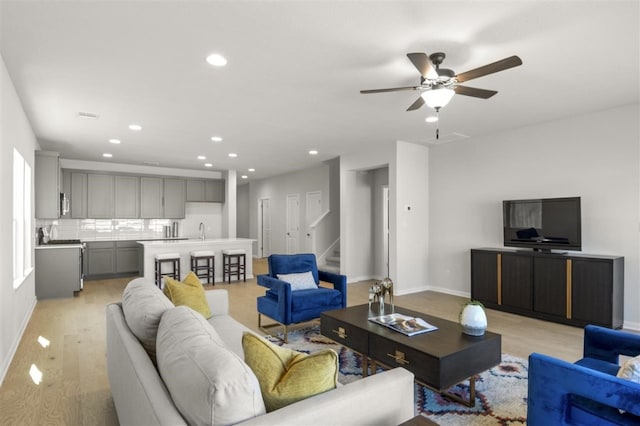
[78, 195]
[550, 286]
[484, 276]
[517, 277]
[592, 293]
[151, 198]
[100, 196]
[127, 197]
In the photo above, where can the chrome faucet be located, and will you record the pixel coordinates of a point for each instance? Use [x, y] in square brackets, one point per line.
[201, 229]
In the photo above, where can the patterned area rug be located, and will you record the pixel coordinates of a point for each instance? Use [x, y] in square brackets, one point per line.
[501, 393]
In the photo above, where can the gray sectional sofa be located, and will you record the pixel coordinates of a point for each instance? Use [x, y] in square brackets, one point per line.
[188, 387]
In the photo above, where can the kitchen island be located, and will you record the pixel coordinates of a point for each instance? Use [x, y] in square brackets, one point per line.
[151, 248]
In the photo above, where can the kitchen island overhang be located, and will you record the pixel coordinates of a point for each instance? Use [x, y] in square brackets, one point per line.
[183, 247]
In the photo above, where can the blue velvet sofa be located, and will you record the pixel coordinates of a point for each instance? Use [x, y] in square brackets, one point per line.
[588, 391]
[287, 307]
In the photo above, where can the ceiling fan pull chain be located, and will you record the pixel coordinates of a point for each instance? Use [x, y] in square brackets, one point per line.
[438, 123]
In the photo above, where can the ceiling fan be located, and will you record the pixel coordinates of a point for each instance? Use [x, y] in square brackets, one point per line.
[438, 85]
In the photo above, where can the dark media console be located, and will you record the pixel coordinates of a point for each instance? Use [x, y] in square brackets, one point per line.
[575, 289]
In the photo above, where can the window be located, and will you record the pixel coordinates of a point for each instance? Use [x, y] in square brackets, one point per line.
[22, 241]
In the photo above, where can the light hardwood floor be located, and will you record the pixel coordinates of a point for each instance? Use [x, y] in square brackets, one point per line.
[75, 388]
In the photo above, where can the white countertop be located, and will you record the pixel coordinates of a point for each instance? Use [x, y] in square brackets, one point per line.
[193, 241]
[57, 246]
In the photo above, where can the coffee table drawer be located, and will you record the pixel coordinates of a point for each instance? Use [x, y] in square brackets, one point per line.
[425, 367]
[345, 334]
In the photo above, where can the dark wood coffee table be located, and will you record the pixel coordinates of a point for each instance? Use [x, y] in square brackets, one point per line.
[438, 359]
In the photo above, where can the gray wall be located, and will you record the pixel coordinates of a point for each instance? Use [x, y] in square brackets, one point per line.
[594, 156]
[16, 305]
[277, 189]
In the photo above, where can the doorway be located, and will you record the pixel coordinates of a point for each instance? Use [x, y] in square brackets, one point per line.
[293, 223]
[313, 212]
[264, 243]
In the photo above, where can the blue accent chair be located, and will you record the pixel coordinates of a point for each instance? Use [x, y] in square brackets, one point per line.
[587, 392]
[288, 307]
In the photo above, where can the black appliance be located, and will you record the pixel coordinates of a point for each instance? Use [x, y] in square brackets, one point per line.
[543, 224]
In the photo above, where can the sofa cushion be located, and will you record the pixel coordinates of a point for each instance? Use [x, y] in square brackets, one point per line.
[143, 305]
[630, 370]
[189, 293]
[288, 376]
[299, 281]
[208, 383]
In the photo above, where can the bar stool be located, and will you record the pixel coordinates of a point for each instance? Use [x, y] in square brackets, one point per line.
[206, 270]
[173, 260]
[234, 263]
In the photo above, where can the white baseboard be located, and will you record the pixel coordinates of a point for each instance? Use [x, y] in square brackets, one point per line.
[633, 326]
[14, 346]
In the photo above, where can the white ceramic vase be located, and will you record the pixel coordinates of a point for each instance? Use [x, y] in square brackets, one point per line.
[473, 320]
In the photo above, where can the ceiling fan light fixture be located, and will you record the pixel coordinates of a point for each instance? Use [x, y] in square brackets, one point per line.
[438, 97]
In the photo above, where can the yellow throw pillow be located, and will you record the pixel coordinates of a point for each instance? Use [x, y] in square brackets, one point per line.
[287, 376]
[189, 293]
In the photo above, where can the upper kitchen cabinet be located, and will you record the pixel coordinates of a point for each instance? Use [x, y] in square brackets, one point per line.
[100, 196]
[207, 190]
[47, 184]
[66, 189]
[78, 195]
[151, 198]
[127, 197]
[174, 198]
[162, 198]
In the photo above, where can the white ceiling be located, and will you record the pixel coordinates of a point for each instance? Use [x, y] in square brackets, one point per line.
[295, 70]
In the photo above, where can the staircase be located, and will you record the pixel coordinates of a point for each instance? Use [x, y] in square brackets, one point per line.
[332, 263]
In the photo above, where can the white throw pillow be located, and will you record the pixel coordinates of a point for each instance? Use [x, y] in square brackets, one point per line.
[301, 281]
[208, 383]
[630, 370]
[143, 305]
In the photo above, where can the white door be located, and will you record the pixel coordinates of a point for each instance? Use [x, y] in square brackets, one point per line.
[385, 226]
[293, 223]
[314, 210]
[265, 228]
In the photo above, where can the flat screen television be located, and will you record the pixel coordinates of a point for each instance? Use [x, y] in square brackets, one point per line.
[543, 224]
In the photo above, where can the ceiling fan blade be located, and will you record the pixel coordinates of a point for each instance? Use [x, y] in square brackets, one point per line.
[501, 65]
[393, 89]
[416, 105]
[422, 62]
[475, 92]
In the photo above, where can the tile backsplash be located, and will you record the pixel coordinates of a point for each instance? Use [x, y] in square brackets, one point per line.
[105, 228]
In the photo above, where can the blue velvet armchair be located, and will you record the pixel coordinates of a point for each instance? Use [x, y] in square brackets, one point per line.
[587, 392]
[287, 306]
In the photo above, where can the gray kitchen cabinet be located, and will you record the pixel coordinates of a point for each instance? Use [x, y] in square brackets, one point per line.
[127, 197]
[100, 196]
[126, 257]
[78, 195]
[174, 198]
[58, 271]
[101, 258]
[47, 185]
[151, 198]
[207, 190]
[66, 189]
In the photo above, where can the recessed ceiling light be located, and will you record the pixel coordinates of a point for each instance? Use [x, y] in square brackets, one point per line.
[135, 127]
[244, 177]
[233, 155]
[114, 141]
[313, 152]
[252, 170]
[201, 157]
[216, 138]
[431, 119]
[88, 115]
[217, 60]
[107, 155]
[208, 165]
